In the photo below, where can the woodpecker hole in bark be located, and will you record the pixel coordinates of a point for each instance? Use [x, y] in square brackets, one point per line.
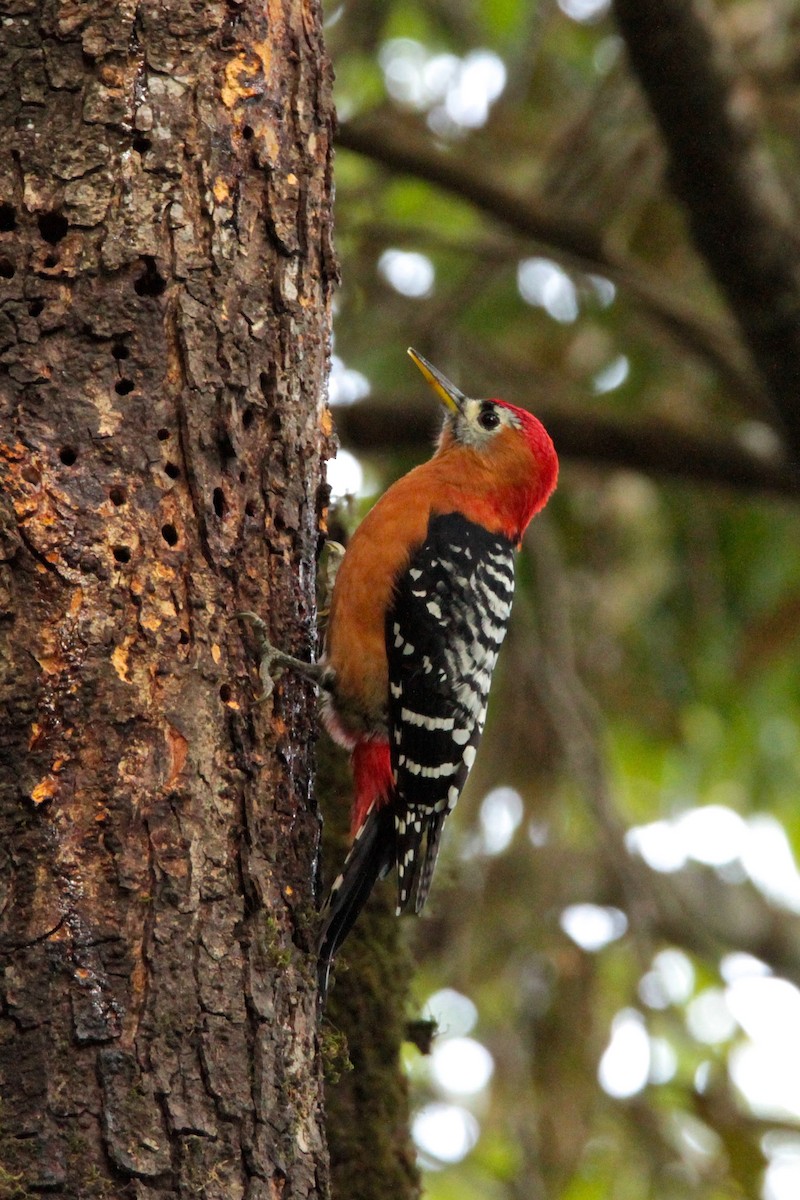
[8, 218]
[53, 227]
[169, 534]
[151, 282]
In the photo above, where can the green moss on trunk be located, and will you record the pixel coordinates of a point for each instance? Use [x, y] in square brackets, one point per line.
[372, 1157]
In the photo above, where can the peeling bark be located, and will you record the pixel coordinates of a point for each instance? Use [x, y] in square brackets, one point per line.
[165, 277]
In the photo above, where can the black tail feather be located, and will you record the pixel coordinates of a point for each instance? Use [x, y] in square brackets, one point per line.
[371, 856]
[427, 862]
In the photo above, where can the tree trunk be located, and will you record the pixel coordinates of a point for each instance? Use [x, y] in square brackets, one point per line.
[165, 274]
[366, 1097]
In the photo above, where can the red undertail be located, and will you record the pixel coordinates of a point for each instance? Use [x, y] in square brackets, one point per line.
[374, 784]
[371, 856]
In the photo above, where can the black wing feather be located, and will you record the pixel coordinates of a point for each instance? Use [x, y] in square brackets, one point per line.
[443, 631]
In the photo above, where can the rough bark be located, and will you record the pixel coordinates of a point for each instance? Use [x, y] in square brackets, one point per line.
[740, 215]
[165, 271]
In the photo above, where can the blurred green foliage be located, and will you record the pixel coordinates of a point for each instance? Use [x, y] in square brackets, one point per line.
[663, 615]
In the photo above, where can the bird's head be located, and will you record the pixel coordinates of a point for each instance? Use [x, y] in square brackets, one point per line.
[506, 445]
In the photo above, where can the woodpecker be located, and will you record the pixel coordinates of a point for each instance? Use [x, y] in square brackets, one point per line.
[419, 610]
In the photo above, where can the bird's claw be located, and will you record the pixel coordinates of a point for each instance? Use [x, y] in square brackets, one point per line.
[266, 651]
[274, 661]
[248, 615]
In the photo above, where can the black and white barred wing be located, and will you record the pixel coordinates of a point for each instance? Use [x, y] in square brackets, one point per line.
[443, 634]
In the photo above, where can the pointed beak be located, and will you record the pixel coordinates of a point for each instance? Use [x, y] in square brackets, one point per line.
[447, 392]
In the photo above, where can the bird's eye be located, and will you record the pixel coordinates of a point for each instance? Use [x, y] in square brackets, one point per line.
[488, 418]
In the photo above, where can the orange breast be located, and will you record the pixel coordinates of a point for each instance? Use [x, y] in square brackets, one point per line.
[378, 551]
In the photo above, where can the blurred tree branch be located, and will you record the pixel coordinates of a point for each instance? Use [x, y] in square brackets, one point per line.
[740, 215]
[655, 448]
[577, 721]
[574, 242]
[693, 907]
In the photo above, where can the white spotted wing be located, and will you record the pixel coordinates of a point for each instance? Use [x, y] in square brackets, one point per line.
[443, 633]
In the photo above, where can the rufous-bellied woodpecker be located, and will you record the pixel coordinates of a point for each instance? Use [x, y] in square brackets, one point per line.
[419, 610]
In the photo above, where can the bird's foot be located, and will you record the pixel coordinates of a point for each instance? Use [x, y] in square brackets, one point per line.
[273, 661]
[327, 570]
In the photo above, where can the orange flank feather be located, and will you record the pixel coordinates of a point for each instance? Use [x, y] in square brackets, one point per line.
[377, 553]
